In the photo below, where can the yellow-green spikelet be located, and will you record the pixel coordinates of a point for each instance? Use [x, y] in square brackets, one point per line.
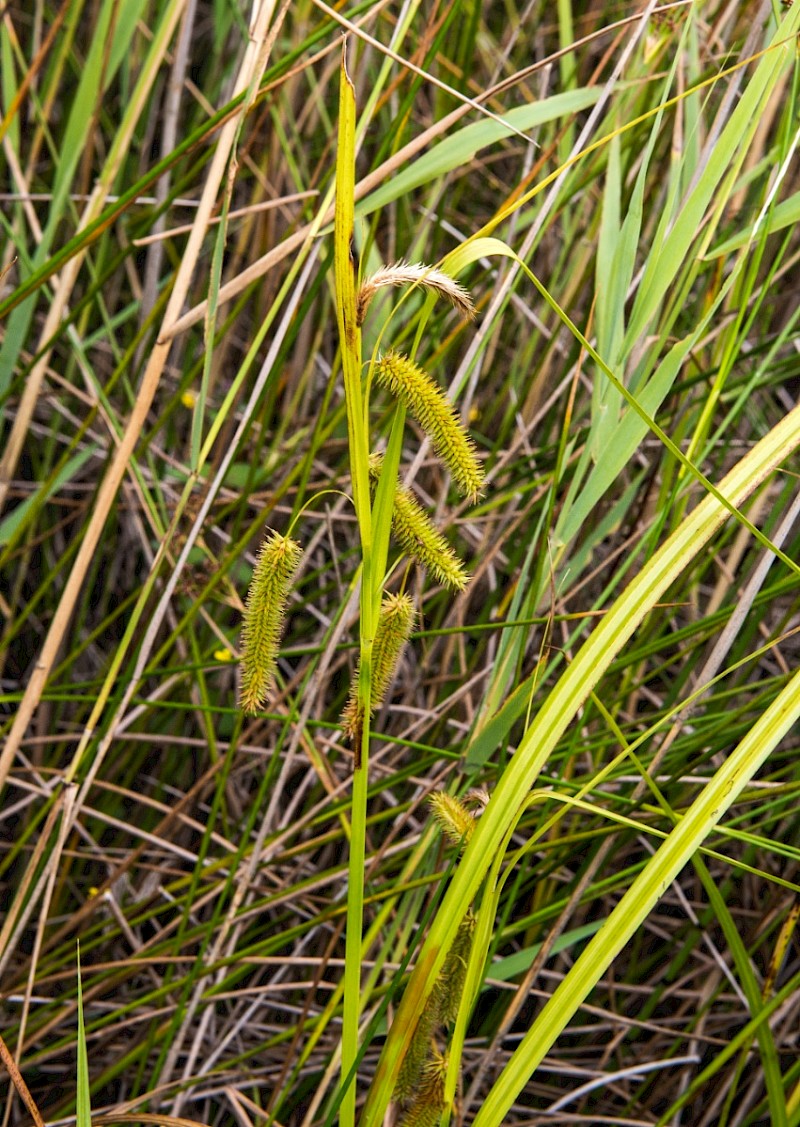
[428, 1104]
[419, 538]
[395, 622]
[276, 566]
[417, 1053]
[452, 817]
[434, 412]
[449, 986]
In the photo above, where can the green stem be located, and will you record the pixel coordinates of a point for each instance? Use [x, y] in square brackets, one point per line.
[346, 270]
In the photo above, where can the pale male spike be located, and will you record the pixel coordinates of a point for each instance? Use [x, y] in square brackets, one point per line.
[407, 274]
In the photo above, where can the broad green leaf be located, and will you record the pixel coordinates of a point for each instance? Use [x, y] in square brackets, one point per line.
[702, 816]
[489, 737]
[503, 970]
[624, 441]
[618, 246]
[783, 215]
[461, 147]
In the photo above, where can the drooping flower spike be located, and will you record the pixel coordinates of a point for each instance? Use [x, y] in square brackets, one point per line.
[419, 537]
[406, 273]
[276, 566]
[395, 622]
[427, 403]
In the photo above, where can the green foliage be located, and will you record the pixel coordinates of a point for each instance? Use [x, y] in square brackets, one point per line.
[188, 354]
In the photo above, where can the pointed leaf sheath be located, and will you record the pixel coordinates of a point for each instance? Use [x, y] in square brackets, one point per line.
[419, 538]
[434, 412]
[276, 566]
[395, 623]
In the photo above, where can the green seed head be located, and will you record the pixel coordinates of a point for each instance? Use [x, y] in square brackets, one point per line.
[276, 566]
[418, 537]
[428, 1104]
[452, 817]
[434, 412]
[395, 623]
[418, 1052]
[394, 629]
[449, 987]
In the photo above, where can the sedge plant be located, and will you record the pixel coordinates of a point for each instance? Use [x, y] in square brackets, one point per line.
[383, 505]
[412, 1067]
[613, 662]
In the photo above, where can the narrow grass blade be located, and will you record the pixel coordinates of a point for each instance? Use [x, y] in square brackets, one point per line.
[703, 815]
[728, 152]
[463, 145]
[83, 1108]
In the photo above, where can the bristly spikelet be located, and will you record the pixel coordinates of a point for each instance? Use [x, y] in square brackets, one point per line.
[395, 622]
[406, 273]
[449, 986]
[452, 817]
[417, 1053]
[434, 412]
[428, 1105]
[418, 536]
[352, 714]
[394, 629]
[276, 566]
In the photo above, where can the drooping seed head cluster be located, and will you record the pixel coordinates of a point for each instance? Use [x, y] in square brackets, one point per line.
[419, 537]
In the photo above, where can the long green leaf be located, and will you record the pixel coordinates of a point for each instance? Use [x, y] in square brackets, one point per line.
[118, 21]
[728, 151]
[703, 815]
[557, 713]
[83, 1104]
[459, 149]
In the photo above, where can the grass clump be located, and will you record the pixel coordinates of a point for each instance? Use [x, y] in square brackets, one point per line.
[202, 334]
